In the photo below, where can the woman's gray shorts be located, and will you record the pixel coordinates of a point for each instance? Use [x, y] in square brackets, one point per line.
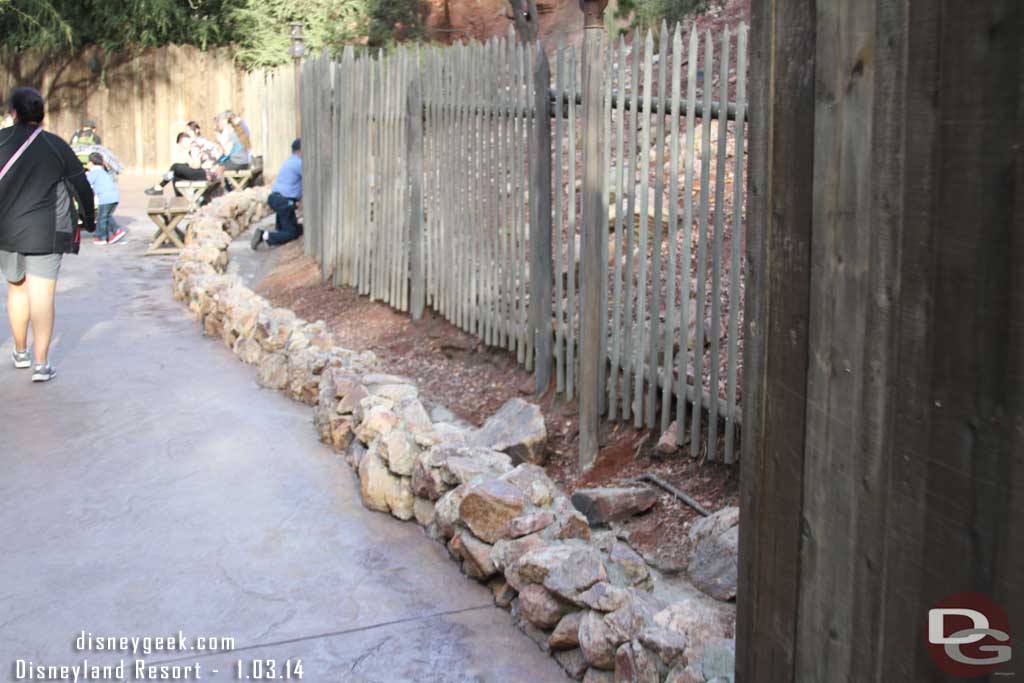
[15, 266]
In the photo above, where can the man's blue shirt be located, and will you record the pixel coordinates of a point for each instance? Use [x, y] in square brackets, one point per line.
[289, 179]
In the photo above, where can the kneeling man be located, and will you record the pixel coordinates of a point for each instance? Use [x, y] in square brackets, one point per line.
[284, 195]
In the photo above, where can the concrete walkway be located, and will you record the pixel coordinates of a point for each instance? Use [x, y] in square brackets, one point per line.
[153, 487]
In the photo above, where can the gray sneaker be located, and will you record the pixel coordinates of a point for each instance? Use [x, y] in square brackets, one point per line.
[43, 373]
[21, 359]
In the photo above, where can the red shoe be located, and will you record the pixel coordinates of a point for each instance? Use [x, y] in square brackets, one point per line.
[100, 242]
[117, 236]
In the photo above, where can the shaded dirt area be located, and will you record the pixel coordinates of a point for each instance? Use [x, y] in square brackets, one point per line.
[456, 370]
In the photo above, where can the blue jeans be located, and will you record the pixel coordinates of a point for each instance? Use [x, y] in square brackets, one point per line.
[287, 226]
[106, 226]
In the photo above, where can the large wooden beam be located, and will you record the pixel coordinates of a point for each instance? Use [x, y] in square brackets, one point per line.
[883, 464]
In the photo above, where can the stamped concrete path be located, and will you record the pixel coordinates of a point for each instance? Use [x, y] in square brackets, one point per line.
[153, 488]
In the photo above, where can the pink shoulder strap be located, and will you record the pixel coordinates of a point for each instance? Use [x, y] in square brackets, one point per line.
[21, 150]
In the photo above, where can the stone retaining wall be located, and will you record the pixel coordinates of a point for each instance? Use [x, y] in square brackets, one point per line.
[583, 595]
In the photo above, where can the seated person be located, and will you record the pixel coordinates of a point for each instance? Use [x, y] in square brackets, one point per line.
[200, 162]
[233, 141]
[284, 195]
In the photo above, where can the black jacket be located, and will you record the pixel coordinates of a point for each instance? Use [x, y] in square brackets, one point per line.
[29, 193]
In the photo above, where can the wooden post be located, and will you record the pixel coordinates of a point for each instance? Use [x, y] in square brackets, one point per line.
[541, 264]
[414, 217]
[884, 326]
[593, 242]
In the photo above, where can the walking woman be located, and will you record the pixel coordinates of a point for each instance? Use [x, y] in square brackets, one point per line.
[41, 180]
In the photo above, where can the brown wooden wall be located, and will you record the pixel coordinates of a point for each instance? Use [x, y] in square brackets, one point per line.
[141, 100]
[883, 451]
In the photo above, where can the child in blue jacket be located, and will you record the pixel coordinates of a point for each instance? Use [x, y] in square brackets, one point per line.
[107, 197]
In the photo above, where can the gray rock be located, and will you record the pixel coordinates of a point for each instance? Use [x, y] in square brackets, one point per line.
[506, 551]
[489, 506]
[539, 607]
[714, 556]
[532, 522]
[580, 570]
[667, 441]
[517, 429]
[598, 676]
[699, 620]
[606, 504]
[573, 661]
[682, 673]
[667, 645]
[603, 597]
[627, 568]
[597, 641]
[719, 659]
[567, 633]
[633, 664]
[273, 371]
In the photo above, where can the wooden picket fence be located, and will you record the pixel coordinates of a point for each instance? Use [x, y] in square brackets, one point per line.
[447, 177]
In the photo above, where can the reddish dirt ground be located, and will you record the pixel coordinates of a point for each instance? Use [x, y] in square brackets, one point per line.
[453, 368]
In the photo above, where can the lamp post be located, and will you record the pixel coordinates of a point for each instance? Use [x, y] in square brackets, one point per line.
[298, 50]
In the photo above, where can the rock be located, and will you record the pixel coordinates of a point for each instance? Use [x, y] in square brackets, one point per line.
[460, 465]
[399, 451]
[606, 504]
[534, 565]
[273, 327]
[580, 570]
[426, 477]
[400, 499]
[505, 552]
[489, 506]
[533, 522]
[413, 417]
[354, 454]
[273, 371]
[423, 511]
[628, 621]
[567, 633]
[248, 350]
[667, 645]
[714, 556]
[517, 429]
[627, 568]
[603, 597]
[719, 659]
[698, 620]
[569, 523]
[395, 392]
[377, 485]
[379, 421]
[476, 555]
[502, 591]
[598, 676]
[538, 636]
[350, 402]
[597, 641]
[633, 664]
[667, 441]
[573, 661]
[446, 510]
[682, 673]
[377, 378]
[342, 434]
[539, 606]
[304, 368]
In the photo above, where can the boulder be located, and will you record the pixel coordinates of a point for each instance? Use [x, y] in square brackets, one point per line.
[517, 429]
[597, 676]
[476, 555]
[573, 661]
[304, 368]
[683, 673]
[489, 506]
[413, 417]
[630, 620]
[667, 441]
[569, 523]
[633, 664]
[502, 591]
[506, 551]
[532, 522]
[698, 620]
[350, 402]
[597, 641]
[539, 606]
[714, 556]
[567, 632]
[377, 485]
[273, 327]
[400, 499]
[423, 511]
[395, 392]
[627, 568]
[534, 565]
[534, 482]
[606, 504]
[379, 420]
[667, 645]
[577, 572]
[273, 371]
[603, 597]
[248, 350]
[719, 659]
[460, 465]
[399, 451]
[446, 510]
[427, 481]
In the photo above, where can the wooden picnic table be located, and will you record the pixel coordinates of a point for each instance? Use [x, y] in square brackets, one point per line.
[242, 178]
[195, 190]
[167, 214]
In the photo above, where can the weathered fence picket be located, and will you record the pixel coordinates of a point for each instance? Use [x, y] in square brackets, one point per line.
[446, 178]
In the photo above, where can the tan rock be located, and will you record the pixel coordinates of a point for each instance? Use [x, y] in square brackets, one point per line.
[446, 510]
[399, 451]
[506, 551]
[540, 607]
[573, 661]
[400, 499]
[423, 511]
[379, 420]
[668, 645]
[476, 555]
[377, 486]
[567, 633]
[503, 592]
[273, 371]
[597, 641]
[532, 522]
[610, 504]
[603, 597]
[489, 506]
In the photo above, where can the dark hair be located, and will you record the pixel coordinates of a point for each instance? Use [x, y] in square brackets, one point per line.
[97, 159]
[297, 145]
[28, 105]
[193, 126]
[180, 136]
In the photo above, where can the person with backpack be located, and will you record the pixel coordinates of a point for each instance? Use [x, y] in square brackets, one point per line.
[108, 196]
[41, 180]
[85, 136]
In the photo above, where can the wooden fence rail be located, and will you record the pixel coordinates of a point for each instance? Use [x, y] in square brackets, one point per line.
[448, 178]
